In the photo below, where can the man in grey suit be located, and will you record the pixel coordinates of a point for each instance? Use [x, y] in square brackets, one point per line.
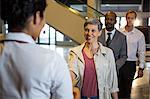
[115, 40]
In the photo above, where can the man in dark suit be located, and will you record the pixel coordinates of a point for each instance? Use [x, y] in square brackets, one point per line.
[115, 40]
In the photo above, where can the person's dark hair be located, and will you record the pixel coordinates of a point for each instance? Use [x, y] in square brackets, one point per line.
[93, 21]
[131, 11]
[111, 12]
[16, 12]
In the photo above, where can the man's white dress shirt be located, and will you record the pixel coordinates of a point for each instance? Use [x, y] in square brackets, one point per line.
[135, 46]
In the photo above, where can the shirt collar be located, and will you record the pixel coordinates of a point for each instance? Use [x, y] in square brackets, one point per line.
[101, 49]
[113, 31]
[19, 36]
[79, 49]
[133, 31]
[124, 30]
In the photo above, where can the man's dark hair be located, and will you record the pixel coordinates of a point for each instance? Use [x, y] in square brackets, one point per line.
[16, 12]
[111, 12]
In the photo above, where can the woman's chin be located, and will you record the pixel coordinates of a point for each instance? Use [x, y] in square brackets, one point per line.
[89, 41]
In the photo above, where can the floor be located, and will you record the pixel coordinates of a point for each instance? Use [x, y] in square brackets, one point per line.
[140, 86]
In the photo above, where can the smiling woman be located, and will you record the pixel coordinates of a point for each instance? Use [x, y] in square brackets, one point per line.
[86, 64]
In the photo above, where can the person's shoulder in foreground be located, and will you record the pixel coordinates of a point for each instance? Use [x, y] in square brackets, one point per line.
[26, 70]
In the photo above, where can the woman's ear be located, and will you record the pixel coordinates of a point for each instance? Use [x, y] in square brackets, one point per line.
[37, 18]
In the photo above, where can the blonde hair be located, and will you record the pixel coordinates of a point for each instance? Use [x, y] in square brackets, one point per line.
[131, 11]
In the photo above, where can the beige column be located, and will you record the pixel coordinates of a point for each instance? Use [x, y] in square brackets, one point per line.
[94, 4]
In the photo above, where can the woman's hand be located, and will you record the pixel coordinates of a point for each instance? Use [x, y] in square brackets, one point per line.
[140, 72]
[76, 93]
[115, 95]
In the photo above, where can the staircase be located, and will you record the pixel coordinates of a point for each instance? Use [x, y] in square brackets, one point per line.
[67, 20]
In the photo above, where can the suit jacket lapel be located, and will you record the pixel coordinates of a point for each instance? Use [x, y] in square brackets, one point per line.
[114, 38]
[102, 37]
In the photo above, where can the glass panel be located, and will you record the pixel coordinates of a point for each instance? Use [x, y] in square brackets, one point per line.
[123, 22]
[6, 31]
[102, 19]
[117, 24]
[52, 35]
[44, 35]
[137, 22]
[59, 36]
[85, 11]
[6, 27]
[63, 40]
[149, 21]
